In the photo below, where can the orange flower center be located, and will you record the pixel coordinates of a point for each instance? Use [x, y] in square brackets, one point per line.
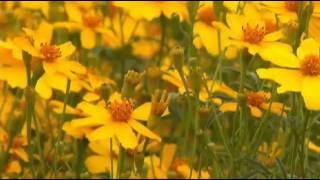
[292, 5]
[121, 111]
[256, 98]
[253, 35]
[92, 20]
[310, 66]
[206, 15]
[49, 52]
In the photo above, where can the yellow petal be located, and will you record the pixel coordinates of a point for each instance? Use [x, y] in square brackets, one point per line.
[255, 111]
[99, 164]
[88, 38]
[43, 89]
[276, 108]
[43, 34]
[280, 55]
[91, 97]
[274, 36]
[289, 80]
[13, 167]
[25, 45]
[308, 47]
[21, 153]
[14, 75]
[310, 92]
[312, 146]
[102, 133]
[235, 22]
[142, 112]
[126, 136]
[167, 155]
[143, 130]
[93, 110]
[100, 147]
[66, 49]
[87, 122]
[228, 107]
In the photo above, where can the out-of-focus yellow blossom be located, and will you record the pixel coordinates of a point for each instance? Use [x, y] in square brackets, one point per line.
[101, 161]
[17, 149]
[93, 84]
[183, 170]
[158, 169]
[12, 65]
[286, 10]
[256, 101]
[268, 154]
[152, 10]
[205, 32]
[314, 147]
[118, 119]
[304, 77]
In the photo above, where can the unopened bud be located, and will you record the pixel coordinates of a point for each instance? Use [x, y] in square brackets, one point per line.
[177, 55]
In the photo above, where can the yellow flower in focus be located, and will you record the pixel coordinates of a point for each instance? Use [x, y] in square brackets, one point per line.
[256, 102]
[268, 154]
[152, 10]
[118, 120]
[38, 44]
[303, 75]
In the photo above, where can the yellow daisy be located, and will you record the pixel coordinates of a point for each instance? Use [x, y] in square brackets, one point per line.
[118, 120]
[303, 75]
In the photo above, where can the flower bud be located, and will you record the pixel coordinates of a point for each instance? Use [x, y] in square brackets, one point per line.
[131, 80]
[177, 55]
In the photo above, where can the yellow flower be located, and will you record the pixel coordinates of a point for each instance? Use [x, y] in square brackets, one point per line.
[303, 75]
[251, 32]
[159, 168]
[205, 33]
[268, 154]
[152, 10]
[101, 161]
[314, 147]
[38, 44]
[83, 18]
[256, 102]
[286, 10]
[12, 68]
[118, 119]
[92, 82]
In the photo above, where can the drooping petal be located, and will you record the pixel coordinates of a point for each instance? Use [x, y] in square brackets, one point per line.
[310, 92]
[143, 130]
[88, 38]
[289, 80]
[308, 47]
[142, 112]
[90, 97]
[274, 36]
